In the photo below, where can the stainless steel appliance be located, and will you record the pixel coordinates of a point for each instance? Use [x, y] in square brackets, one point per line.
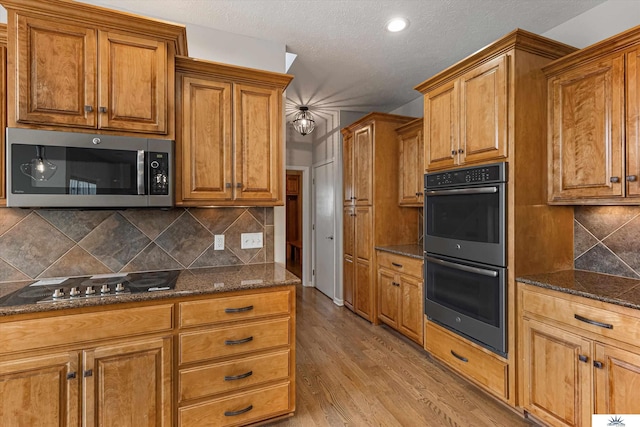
[465, 252]
[98, 286]
[68, 169]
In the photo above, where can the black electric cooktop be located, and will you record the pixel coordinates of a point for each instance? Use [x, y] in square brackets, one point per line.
[98, 286]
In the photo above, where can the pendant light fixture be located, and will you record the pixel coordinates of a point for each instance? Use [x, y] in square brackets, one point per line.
[39, 168]
[303, 121]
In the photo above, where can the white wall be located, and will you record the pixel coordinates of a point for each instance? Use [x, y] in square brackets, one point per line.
[413, 108]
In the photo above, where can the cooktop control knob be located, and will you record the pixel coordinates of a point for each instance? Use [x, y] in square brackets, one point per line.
[75, 291]
[58, 293]
[105, 289]
[119, 287]
[89, 290]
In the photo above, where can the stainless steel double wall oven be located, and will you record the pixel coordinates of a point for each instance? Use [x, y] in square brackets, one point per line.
[465, 252]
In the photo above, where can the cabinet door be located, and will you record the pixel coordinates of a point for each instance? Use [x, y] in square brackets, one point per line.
[347, 169]
[586, 110]
[258, 147]
[363, 165]
[128, 384]
[410, 321]
[364, 296]
[55, 73]
[633, 124]
[133, 83]
[204, 151]
[388, 293]
[349, 229]
[49, 383]
[441, 129]
[3, 121]
[349, 224]
[363, 233]
[411, 165]
[557, 384]
[349, 285]
[483, 112]
[617, 382]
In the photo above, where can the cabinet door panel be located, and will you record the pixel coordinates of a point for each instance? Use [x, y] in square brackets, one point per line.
[363, 233]
[133, 83]
[364, 290]
[349, 224]
[586, 124]
[410, 169]
[633, 123]
[55, 73]
[387, 297]
[257, 143]
[348, 271]
[363, 166]
[129, 384]
[347, 174]
[3, 122]
[483, 112]
[40, 382]
[441, 127]
[205, 150]
[410, 321]
[557, 385]
[617, 382]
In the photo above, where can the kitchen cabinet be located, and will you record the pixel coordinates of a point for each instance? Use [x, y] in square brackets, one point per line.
[229, 145]
[371, 215]
[400, 294]
[3, 112]
[579, 357]
[78, 66]
[411, 168]
[593, 120]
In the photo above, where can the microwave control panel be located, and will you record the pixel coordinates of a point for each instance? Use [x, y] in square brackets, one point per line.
[158, 174]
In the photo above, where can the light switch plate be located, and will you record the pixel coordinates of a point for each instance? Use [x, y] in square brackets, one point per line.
[250, 240]
[218, 242]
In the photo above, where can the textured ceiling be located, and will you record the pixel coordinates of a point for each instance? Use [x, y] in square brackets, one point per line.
[346, 60]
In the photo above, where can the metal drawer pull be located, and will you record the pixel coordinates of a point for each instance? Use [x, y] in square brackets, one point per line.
[88, 108]
[632, 178]
[239, 412]
[71, 375]
[614, 179]
[238, 310]
[592, 322]
[103, 109]
[597, 364]
[234, 342]
[583, 358]
[88, 373]
[395, 264]
[467, 268]
[238, 377]
[457, 356]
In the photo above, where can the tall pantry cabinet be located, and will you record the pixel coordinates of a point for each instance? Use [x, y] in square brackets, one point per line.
[371, 214]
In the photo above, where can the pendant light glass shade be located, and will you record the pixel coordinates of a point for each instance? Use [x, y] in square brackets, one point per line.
[39, 168]
[303, 121]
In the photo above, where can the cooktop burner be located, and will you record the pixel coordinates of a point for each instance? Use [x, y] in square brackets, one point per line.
[98, 286]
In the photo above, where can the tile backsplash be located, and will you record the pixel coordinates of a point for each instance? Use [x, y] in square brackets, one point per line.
[607, 239]
[51, 243]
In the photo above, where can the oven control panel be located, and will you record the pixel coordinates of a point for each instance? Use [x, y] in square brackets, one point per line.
[486, 174]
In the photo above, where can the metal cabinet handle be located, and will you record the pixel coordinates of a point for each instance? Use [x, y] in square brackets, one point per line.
[592, 322]
[238, 310]
[236, 342]
[632, 178]
[237, 377]
[453, 152]
[614, 179]
[395, 264]
[102, 109]
[597, 364]
[460, 150]
[71, 375]
[239, 412]
[457, 356]
[239, 185]
[228, 185]
[88, 108]
[583, 358]
[87, 373]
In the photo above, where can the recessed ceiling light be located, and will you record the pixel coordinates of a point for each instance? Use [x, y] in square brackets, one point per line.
[397, 24]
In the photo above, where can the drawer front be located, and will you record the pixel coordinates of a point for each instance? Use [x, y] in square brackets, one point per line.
[232, 340]
[612, 324]
[239, 409]
[481, 367]
[217, 378]
[240, 307]
[77, 328]
[399, 263]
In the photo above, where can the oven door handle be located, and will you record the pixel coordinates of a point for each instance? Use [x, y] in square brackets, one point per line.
[467, 268]
[477, 190]
[140, 172]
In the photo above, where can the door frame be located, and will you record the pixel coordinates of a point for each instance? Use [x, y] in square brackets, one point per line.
[306, 194]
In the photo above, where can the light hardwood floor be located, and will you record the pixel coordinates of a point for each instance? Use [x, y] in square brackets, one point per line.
[352, 373]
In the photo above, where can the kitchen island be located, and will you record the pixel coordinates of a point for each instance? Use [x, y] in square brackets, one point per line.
[217, 349]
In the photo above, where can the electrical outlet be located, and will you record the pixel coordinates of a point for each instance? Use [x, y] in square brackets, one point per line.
[218, 242]
[250, 240]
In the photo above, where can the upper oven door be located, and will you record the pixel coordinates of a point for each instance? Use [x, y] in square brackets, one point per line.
[467, 223]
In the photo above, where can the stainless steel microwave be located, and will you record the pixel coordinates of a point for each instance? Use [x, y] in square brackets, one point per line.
[68, 169]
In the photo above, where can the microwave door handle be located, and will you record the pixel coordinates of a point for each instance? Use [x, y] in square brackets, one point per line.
[477, 190]
[140, 166]
[467, 268]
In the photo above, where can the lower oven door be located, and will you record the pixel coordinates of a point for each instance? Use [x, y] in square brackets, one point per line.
[468, 298]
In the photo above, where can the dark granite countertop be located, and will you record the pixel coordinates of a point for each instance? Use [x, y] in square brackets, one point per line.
[602, 287]
[190, 282]
[412, 251]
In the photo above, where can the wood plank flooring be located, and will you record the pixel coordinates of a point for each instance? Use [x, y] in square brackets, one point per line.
[351, 373]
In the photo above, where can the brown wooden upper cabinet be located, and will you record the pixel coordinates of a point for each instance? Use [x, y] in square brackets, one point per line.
[80, 66]
[410, 173]
[229, 135]
[593, 122]
[3, 111]
[358, 174]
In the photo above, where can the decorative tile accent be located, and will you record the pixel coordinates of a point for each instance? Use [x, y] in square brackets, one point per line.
[75, 224]
[269, 232]
[152, 258]
[602, 260]
[582, 239]
[604, 220]
[76, 262]
[152, 222]
[185, 239]
[217, 220]
[211, 258]
[624, 243]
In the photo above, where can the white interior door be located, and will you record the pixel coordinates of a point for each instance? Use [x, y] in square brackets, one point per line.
[324, 231]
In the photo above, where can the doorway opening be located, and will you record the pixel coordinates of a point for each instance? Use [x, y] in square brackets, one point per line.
[293, 219]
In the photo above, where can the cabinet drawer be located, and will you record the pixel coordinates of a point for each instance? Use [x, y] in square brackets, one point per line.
[231, 340]
[622, 324]
[228, 376]
[239, 409]
[400, 264]
[480, 366]
[75, 328]
[238, 307]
